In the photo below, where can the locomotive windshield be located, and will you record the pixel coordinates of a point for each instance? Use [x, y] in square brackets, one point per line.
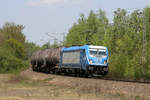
[97, 53]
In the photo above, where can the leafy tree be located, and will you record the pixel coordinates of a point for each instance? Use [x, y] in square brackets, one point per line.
[16, 47]
[11, 30]
[12, 48]
[10, 63]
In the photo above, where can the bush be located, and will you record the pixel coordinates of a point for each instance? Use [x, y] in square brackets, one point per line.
[17, 48]
[10, 63]
[117, 63]
[12, 48]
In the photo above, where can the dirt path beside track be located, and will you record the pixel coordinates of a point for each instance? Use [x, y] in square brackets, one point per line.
[31, 85]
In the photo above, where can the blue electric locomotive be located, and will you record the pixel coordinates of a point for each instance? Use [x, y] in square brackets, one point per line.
[87, 58]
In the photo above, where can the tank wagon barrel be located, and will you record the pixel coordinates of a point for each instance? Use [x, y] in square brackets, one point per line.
[45, 60]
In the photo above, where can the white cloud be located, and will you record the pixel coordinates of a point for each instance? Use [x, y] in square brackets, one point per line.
[47, 3]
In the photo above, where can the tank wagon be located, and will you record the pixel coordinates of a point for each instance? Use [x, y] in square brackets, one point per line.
[86, 59]
[45, 60]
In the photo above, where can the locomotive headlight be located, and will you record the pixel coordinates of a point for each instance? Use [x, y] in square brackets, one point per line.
[90, 61]
[105, 62]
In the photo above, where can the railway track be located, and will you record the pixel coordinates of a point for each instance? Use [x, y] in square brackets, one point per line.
[123, 80]
[99, 77]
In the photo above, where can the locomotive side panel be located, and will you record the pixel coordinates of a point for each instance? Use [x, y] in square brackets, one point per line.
[71, 59]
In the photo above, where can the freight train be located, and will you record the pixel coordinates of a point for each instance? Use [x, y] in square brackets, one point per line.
[86, 59]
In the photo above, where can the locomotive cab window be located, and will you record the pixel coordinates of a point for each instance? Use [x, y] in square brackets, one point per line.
[97, 53]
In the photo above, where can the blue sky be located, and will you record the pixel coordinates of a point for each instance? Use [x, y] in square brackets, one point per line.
[57, 16]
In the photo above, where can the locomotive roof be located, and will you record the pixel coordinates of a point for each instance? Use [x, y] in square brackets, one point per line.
[74, 48]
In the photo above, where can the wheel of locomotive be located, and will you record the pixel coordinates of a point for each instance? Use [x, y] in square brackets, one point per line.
[105, 71]
[83, 73]
[78, 73]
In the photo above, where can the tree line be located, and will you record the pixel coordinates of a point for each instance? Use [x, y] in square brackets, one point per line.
[15, 51]
[124, 39]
